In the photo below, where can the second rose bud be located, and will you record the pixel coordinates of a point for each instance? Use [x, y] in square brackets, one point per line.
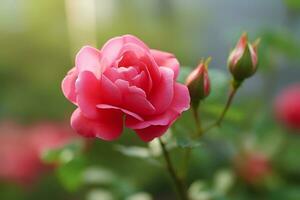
[243, 60]
[198, 83]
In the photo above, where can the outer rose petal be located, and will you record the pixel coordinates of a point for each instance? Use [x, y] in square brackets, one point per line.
[68, 85]
[166, 59]
[151, 132]
[88, 94]
[91, 91]
[88, 59]
[108, 126]
[164, 119]
[181, 100]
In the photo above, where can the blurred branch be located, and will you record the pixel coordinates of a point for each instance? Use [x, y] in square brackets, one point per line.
[178, 182]
[219, 121]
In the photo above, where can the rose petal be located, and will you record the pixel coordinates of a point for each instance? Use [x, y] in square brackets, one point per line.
[88, 94]
[106, 106]
[162, 120]
[109, 92]
[112, 49]
[181, 100]
[180, 103]
[68, 85]
[162, 95]
[108, 126]
[134, 98]
[166, 59]
[91, 91]
[88, 59]
[149, 133]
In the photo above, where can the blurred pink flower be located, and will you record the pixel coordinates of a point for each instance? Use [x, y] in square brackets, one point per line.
[287, 107]
[21, 148]
[252, 167]
[45, 136]
[124, 78]
[18, 158]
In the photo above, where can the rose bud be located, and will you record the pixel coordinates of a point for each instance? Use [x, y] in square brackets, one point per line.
[287, 107]
[198, 83]
[243, 61]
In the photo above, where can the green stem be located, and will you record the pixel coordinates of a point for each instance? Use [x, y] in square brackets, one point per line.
[233, 90]
[180, 187]
[197, 122]
[186, 161]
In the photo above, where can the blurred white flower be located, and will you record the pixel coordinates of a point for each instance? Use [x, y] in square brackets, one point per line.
[199, 191]
[99, 194]
[97, 175]
[140, 196]
[223, 181]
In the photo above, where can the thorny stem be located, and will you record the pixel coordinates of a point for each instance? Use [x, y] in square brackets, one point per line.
[180, 187]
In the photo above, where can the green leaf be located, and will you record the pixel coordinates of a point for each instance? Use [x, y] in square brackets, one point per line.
[71, 174]
[64, 154]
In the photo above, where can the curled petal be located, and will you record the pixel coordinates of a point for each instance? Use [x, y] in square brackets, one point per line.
[112, 49]
[105, 106]
[68, 85]
[164, 119]
[166, 59]
[181, 100]
[134, 98]
[108, 126]
[180, 103]
[88, 59]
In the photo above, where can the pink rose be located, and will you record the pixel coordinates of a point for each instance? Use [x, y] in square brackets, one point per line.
[124, 80]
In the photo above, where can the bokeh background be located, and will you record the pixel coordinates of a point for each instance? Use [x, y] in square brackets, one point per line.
[253, 156]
